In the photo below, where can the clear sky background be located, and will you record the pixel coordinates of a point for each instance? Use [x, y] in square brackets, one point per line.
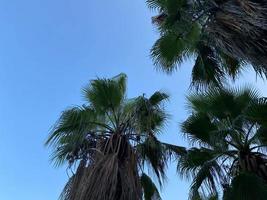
[50, 49]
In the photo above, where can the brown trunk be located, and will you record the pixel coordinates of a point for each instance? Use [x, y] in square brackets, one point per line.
[254, 163]
[113, 174]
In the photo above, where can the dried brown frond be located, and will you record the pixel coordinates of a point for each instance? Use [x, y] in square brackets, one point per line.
[240, 29]
[113, 174]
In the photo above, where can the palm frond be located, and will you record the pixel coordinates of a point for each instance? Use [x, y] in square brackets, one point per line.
[208, 175]
[150, 113]
[173, 150]
[106, 95]
[220, 103]
[169, 52]
[257, 111]
[155, 4]
[189, 163]
[236, 31]
[232, 66]
[157, 98]
[69, 133]
[230, 123]
[198, 128]
[149, 188]
[75, 119]
[152, 152]
[207, 71]
[260, 137]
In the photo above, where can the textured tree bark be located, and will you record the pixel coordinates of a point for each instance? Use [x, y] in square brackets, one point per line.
[255, 164]
[113, 174]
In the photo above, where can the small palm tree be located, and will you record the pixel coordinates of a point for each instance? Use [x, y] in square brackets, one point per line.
[228, 128]
[221, 35]
[111, 139]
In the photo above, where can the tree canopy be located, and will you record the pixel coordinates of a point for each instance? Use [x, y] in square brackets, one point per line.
[227, 129]
[112, 139]
[222, 36]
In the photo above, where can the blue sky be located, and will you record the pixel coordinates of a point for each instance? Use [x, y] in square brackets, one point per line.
[50, 49]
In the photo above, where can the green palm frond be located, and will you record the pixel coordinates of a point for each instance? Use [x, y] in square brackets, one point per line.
[207, 69]
[152, 152]
[169, 52]
[173, 150]
[222, 102]
[149, 188]
[260, 137]
[71, 121]
[198, 128]
[234, 31]
[257, 111]
[190, 162]
[232, 66]
[150, 112]
[155, 4]
[70, 131]
[157, 98]
[156, 154]
[208, 175]
[106, 95]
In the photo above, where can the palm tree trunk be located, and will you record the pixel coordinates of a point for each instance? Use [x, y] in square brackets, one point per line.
[113, 174]
[255, 164]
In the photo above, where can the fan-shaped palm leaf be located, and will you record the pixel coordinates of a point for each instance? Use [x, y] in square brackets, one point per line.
[233, 33]
[228, 127]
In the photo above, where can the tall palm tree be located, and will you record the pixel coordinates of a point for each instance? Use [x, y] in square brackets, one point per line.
[221, 35]
[111, 139]
[227, 129]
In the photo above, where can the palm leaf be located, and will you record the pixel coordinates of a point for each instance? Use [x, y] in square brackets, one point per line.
[106, 95]
[207, 70]
[149, 188]
[198, 128]
[152, 152]
[169, 51]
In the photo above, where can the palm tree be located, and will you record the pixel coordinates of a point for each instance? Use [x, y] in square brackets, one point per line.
[112, 140]
[228, 130]
[221, 35]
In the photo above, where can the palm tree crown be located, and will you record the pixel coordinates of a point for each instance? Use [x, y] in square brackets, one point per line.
[228, 127]
[111, 138]
[221, 35]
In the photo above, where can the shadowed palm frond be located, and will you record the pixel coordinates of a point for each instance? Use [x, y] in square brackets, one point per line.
[149, 188]
[227, 127]
[235, 31]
